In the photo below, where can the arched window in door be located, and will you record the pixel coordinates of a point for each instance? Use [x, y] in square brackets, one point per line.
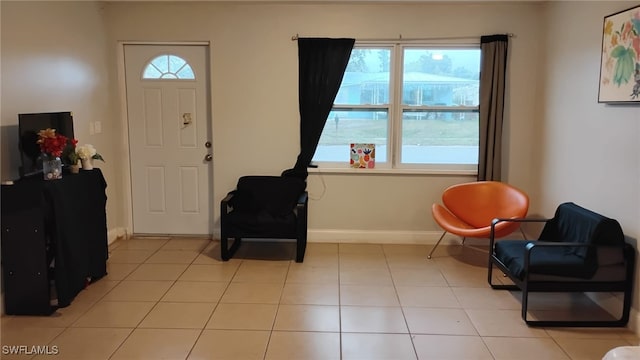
[168, 66]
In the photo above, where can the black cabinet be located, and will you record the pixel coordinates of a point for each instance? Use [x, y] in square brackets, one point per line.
[53, 232]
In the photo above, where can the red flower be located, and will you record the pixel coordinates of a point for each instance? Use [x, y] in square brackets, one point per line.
[53, 144]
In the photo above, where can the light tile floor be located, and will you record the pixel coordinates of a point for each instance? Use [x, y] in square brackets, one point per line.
[173, 298]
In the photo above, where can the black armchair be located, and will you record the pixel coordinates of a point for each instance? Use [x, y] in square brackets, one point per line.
[268, 207]
[578, 251]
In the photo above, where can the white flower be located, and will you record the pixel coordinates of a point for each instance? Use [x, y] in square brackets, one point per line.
[86, 151]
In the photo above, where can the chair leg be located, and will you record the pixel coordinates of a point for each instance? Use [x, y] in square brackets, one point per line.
[523, 235]
[301, 246]
[436, 245]
[224, 251]
[525, 304]
[498, 286]
[227, 252]
[490, 272]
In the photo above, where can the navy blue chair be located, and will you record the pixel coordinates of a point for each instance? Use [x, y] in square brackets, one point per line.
[578, 250]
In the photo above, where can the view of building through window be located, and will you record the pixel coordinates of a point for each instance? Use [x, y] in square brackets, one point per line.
[417, 104]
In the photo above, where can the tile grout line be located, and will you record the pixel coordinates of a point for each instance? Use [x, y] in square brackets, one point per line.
[134, 328]
[160, 298]
[217, 303]
[391, 256]
[110, 290]
[340, 343]
[404, 317]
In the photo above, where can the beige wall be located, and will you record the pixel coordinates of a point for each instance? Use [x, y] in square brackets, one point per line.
[54, 58]
[254, 89]
[254, 93]
[589, 152]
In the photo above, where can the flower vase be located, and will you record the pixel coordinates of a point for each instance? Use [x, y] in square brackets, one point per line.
[75, 168]
[87, 164]
[51, 167]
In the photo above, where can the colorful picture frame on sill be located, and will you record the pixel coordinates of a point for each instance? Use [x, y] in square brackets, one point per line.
[620, 61]
[362, 156]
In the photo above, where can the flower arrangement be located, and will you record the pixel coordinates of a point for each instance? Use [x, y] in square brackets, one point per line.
[53, 144]
[621, 52]
[87, 151]
[69, 155]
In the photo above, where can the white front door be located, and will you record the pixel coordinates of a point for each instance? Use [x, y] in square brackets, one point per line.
[169, 138]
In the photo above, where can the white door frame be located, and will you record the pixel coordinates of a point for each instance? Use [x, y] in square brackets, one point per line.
[124, 124]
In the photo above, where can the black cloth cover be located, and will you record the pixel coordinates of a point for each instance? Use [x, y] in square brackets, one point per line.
[544, 260]
[79, 228]
[264, 205]
[571, 224]
[67, 224]
[275, 194]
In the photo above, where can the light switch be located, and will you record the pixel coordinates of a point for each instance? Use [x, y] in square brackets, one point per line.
[91, 128]
[98, 127]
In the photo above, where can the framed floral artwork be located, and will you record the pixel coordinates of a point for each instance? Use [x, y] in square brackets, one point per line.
[620, 63]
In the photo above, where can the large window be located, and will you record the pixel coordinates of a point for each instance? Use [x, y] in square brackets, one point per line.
[417, 104]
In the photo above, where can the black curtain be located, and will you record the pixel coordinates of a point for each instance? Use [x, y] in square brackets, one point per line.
[493, 73]
[321, 66]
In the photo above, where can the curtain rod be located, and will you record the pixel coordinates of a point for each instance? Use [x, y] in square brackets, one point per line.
[400, 38]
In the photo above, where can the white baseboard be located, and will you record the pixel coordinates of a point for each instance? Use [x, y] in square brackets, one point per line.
[377, 236]
[374, 236]
[116, 234]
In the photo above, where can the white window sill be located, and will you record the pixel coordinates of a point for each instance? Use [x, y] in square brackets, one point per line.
[389, 171]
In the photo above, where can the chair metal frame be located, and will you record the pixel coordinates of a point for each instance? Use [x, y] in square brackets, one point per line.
[527, 285]
[463, 240]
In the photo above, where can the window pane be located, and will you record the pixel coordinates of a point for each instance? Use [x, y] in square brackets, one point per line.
[346, 127]
[162, 63]
[366, 79]
[186, 73]
[175, 63]
[438, 137]
[441, 77]
[168, 67]
[151, 72]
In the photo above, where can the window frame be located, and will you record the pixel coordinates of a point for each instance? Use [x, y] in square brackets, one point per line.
[396, 108]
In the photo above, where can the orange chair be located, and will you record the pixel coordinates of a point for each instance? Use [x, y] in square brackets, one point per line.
[469, 209]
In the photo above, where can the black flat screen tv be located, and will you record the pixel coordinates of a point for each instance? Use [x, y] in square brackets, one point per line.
[28, 127]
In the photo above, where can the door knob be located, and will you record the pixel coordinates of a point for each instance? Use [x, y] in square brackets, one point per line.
[208, 157]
